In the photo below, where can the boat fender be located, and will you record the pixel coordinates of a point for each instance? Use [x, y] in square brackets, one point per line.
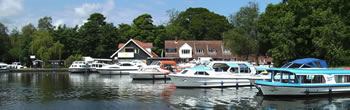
[236, 85]
[330, 91]
[222, 83]
[205, 83]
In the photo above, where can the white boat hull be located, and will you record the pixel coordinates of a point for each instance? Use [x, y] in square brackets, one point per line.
[186, 81]
[149, 75]
[115, 71]
[281, 90]
[78, 70]
[4, 70]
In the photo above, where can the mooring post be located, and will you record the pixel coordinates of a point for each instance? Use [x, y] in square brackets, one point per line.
[237, 85]
[165, 78]
[251, 84]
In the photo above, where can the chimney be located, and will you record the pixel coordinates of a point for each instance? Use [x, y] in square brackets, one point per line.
[175, 39]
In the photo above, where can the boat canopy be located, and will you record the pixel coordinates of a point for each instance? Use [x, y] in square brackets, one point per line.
[168, 62]
[306, 63]
[232, 64]
[201, 68]
[261, 67]
[311, 71]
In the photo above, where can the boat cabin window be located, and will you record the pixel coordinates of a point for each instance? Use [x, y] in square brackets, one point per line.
[342, 78]
[184, 71]
[294, 65]
[243, 68]
[220, 67]
[126, 64]
[201, 73]
[286, 77]
[234, 70]
[168, 65]
[312, 79]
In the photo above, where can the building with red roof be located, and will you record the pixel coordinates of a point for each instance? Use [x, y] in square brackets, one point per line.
[134, 50]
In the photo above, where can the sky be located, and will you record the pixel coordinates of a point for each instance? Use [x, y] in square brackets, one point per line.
[17, 13]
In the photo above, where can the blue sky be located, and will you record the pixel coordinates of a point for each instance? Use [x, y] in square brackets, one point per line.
[17, 13]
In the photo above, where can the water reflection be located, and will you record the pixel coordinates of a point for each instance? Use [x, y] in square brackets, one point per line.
[335, 102]
[94, 91]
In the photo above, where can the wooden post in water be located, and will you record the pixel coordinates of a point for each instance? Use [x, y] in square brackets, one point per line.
[165, 78]
[153, 78]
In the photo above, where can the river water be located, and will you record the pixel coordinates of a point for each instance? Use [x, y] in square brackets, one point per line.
[66, 91]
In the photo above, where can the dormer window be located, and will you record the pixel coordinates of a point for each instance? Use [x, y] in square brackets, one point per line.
[185, 51]
[227, 51]
[212, 51]
[199, 51]
[170, 50]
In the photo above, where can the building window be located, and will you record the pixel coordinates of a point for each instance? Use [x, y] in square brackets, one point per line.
[129, 49]
[227, 51]
[212, 51]
[200, 51]
[170, 50]
[185, 51]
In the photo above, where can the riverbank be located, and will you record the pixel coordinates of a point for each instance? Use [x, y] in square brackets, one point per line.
[40, 70]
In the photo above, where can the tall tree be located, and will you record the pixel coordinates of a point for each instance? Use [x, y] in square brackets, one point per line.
[27, 31]
[98, 37]
[45, 23]
[296, 29]
[143, 28]
[4, 42]
[16, 51]
[44, 47]
[201, 24]
[69, 37]
[243, 39]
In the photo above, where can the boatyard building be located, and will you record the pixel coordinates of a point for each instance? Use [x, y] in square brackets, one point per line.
[133, 50]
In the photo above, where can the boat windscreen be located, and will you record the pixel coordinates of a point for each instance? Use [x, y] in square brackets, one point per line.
[243, 68]
[286, 65]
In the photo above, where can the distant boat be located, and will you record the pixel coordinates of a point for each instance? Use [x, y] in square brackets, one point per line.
[216, 74]
[156, 70]
[3, 67]
[79, 67]
[286, 81]
[15, 65]
[96, 65]
[120, 68]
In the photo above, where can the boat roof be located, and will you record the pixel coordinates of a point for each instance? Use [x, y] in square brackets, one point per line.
[261, 67]
[201, 68]
[167, 62]
[311, 62]
[232, 63]
[1, 63]
[312, 71]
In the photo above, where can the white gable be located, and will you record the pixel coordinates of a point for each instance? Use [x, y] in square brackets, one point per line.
[131, 40]
[185, 51]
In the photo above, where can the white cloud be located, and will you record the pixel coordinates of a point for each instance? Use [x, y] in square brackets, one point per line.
[58, 22]
[108, 7]
[9, 8]
[82, 12]
[86, 9]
